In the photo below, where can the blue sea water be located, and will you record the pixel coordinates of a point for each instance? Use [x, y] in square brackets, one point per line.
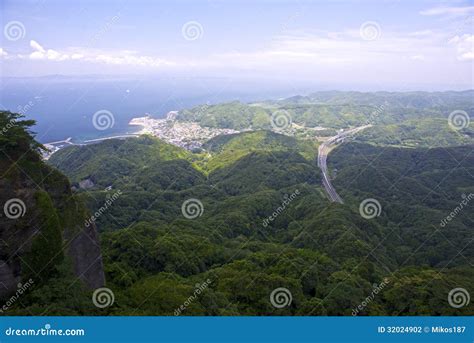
[64, 106]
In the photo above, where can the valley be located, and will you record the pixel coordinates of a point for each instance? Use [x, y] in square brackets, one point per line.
[170, 216]
[323, 152]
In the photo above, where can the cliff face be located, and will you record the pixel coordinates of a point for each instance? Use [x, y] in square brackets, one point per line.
[42, 223]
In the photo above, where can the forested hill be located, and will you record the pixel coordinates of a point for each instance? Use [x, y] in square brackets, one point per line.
[42, 227]
[247, 215]
[260, 220]
[334, 109]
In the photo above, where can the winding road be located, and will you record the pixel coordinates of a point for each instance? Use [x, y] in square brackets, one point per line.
[323, 152]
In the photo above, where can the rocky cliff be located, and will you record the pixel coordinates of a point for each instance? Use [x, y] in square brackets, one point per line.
[42, 223]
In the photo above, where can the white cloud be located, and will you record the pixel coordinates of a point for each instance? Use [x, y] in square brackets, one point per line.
[296, 51]
[129, 58]
[42, 54]
[417, 58]
[3, 53]
[464, 46]
[77, 56]
[467, 56]
[452, 11]
[340, 48]
[123, 57]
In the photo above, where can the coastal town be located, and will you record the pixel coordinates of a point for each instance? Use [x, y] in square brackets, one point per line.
[185, 134]
[188, 135]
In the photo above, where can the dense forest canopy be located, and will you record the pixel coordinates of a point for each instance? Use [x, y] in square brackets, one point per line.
[261, 219]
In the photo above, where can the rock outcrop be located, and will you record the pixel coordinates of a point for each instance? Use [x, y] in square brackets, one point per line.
[42, 223]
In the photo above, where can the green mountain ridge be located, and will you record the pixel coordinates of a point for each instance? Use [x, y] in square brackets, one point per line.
[334, 109]
[327, 254]
[249, 214]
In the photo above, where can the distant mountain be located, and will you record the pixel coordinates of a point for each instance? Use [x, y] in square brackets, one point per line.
[334, 109]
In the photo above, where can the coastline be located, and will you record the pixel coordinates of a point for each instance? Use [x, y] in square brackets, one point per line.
[143, 126]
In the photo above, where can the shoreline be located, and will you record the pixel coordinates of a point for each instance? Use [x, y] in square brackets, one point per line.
[146, 128]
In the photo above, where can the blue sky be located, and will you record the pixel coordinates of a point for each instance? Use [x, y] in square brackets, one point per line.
[378, 42]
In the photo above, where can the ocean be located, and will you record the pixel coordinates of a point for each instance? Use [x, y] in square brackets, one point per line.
[64, 107]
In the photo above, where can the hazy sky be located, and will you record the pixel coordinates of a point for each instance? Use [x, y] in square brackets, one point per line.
[373, 42]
